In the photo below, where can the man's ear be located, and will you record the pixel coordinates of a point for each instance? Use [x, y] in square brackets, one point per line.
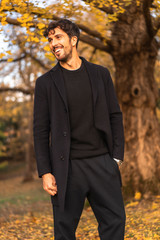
[74, 41]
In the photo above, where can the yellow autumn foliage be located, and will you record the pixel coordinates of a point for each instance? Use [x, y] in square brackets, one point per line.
[47, 48]
[137, 196]
[10, 60]
[29, 14]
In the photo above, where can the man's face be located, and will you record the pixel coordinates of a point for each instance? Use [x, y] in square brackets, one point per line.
[60, 44]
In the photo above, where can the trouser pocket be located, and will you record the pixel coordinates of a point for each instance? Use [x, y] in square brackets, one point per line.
[112, 167]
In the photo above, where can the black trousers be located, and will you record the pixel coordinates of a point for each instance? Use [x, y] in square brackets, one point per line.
[97, 179]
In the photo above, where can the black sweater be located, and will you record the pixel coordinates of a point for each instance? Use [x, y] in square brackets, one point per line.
[86, 140]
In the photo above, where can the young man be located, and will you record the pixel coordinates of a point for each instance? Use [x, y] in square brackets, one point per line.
[78, 137]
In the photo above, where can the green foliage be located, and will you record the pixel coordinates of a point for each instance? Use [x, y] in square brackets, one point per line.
[3, 165]
[11, 127]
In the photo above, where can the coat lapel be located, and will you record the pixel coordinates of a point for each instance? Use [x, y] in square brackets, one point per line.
[57, 77]
[92, 73]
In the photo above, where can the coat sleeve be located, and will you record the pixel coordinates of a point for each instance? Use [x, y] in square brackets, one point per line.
[41, 129]
[116, 119]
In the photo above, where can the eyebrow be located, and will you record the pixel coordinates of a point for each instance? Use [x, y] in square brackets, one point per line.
[58, 34]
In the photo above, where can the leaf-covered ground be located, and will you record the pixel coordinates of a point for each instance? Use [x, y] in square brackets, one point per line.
[26, 213]
[143, 222]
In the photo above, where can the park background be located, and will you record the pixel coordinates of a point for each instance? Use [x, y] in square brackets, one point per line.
[122, 35]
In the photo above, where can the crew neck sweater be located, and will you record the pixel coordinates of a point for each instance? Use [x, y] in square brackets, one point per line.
[86, 140]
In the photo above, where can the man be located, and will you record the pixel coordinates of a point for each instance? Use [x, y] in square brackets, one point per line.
[78, 137]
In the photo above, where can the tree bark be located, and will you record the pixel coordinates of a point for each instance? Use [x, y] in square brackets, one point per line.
[134, 55]
[30, 158]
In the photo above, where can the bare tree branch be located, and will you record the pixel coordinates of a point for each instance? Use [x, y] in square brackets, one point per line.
[15, 22]
[14, 60]
[94, 33]
[40, 13]
[12, 21]
[25, 91]
[32, 57]
[95, 43]
[21, 72]
[87, 30]
[84, 38]
[92, 55]
[157, 24]
[147, 15]
[44, 66]
[82, 50]
[153, 6]
[158, 44]
[90, 32]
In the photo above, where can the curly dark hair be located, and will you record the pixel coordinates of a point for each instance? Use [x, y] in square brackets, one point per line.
[66, 25]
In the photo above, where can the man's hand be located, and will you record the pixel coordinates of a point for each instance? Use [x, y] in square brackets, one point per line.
[49, 184]
[119, 162]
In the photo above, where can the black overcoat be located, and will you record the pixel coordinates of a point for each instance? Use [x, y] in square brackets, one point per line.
[51, 124]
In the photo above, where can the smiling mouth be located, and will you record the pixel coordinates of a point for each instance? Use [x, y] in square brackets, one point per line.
[56, 50]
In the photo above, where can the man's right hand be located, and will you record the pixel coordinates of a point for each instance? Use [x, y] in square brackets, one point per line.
[49, 184]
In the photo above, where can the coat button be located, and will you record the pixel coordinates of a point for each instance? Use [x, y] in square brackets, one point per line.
[64, 134]
[62, 158]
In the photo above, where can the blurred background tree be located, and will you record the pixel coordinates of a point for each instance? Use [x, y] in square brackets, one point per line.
[120, 34]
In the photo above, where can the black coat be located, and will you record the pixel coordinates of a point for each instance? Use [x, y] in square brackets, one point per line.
[52, 127]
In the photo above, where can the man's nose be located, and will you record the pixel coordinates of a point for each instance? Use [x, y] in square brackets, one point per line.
[54, 43]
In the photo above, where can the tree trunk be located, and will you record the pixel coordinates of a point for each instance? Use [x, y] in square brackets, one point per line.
[134, 55]
[29, 159]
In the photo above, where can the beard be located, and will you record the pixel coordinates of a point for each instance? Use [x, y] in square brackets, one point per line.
[64, 54]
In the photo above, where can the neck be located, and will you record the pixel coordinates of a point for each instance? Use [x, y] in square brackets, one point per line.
[72, 64]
